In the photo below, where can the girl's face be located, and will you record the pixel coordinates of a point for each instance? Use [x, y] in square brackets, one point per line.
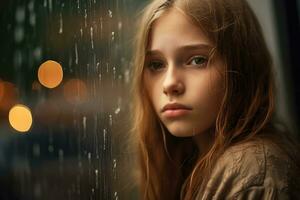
[184, 90]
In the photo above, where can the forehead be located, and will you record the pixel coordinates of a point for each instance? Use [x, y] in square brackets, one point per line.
[174, 29]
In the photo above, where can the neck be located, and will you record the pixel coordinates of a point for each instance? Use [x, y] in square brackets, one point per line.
[204, 141]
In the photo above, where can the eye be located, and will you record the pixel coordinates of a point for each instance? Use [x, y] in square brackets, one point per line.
[198, 60]
[155, 65]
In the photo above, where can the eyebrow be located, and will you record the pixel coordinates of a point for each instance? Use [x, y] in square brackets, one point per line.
[183, 48]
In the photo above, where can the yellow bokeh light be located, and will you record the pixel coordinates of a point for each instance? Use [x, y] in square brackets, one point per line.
[50, 74]
[20, 118]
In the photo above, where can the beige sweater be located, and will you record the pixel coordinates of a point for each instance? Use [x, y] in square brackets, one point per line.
[253, 171]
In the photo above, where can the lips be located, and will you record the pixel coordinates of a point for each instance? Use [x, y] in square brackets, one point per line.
[175, 110]
[175, 106]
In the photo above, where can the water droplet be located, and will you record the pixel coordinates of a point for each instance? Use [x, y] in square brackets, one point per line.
[50, 5]
[60, 24]
[85, 18]
[116, 195]
[120, 25]
[76, 54]
[32, 19]
[81, 32]
[112, 36]
[37, 53]
[92, 37]
[110, 13]
[19, 34]
[104, 139]
[31, 6]
[114, 163]
[84, 123]
[117, 110]
[20, 14]
[110, 120]
[96, 177]
[114, 72]
[127, 76]
[101, 24]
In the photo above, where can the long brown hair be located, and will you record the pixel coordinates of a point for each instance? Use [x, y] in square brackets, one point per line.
[169, 167]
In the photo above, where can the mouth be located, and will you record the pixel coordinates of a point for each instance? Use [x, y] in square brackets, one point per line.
[175, 110]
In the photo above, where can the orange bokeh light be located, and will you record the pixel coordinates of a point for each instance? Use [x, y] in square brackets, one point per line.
[8, 95]
[20, 118]
[50, 74]
[75, 91]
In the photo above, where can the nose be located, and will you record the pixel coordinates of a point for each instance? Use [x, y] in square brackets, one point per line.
[173, 84]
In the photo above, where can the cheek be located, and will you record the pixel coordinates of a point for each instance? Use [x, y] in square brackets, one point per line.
[209, 94]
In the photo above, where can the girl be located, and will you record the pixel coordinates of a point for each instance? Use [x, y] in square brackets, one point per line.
[203, 107]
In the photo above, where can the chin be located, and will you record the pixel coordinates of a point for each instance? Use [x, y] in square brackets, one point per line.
[180, 132]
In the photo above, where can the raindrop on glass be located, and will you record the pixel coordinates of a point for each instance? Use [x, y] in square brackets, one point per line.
[110, 120]
[110, 13]
[104, 139]
[96, 177]
[117, 110]
[19, 34]
[92, 37]
[84, 123]
[85, 18]
[112, 36]
[60, 24]
[50, 5]
[37, 53]
[76, 54]
[120, 25]
[20, 14]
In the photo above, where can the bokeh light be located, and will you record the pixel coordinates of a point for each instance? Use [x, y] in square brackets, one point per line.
[8, 95]
[50, 74]
[75, 91]
[1, 90]
[20, 118]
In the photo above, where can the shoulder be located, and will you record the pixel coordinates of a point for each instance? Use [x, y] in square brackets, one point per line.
[257, 166]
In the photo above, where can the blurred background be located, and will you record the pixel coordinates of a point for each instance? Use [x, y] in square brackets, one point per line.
[64, 85]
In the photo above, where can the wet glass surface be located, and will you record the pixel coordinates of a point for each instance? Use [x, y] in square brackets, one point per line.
[64, 70]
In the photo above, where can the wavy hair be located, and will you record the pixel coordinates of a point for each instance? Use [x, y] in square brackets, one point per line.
[169, 167]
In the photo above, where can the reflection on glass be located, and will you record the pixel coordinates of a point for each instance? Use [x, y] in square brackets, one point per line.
[75, 147]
